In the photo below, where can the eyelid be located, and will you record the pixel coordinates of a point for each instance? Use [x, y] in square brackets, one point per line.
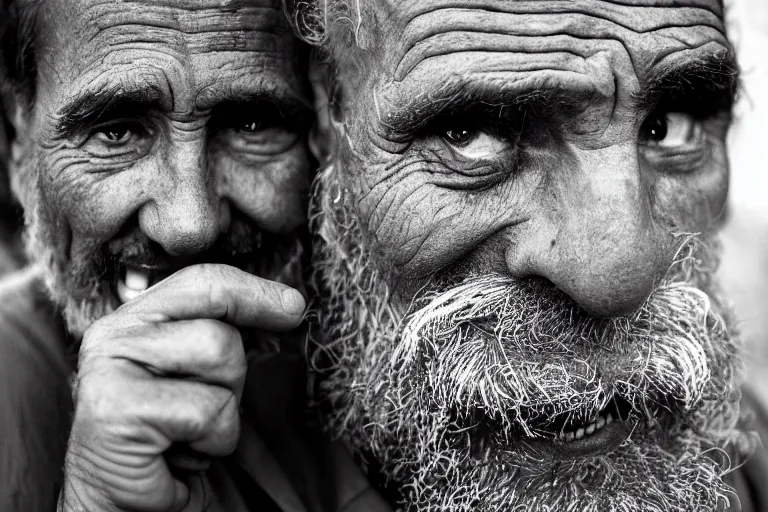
[130, 121]
[483, 146]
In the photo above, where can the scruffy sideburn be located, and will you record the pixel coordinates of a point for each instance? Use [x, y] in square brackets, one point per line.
[398, 386]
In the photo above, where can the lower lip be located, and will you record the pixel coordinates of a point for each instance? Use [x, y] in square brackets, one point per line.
[601, 442]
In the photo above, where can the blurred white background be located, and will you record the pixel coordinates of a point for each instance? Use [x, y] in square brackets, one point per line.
[744, 271]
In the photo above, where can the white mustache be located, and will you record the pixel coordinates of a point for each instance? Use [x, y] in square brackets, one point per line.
[661, 352]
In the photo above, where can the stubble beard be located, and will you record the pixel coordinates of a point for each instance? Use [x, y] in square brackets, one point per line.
[81, 285]
[436, 401]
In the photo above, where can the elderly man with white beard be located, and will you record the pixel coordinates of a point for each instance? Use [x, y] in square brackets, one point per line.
[514, 248]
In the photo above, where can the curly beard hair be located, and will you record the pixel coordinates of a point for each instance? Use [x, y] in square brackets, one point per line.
[446, 404]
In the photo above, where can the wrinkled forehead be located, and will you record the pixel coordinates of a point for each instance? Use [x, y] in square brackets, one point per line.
[180, 54]
[95, 28]
[523, 35]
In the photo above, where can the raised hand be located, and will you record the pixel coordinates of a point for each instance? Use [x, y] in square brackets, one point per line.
[164, 375]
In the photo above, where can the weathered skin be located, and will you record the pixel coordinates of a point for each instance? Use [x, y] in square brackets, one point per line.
[173, 168]
[591, 202]
[163, 138]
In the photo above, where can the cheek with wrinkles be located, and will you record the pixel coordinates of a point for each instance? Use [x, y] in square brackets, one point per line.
[272, 192]
[595, 57]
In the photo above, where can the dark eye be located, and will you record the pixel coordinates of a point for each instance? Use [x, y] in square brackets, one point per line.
[670, 130]
[655, 129]
[474, 144]
[250, 127]
[116, 134]
[459, 137]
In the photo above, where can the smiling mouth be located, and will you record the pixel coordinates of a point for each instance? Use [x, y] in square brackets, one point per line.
[602, 434]
[563, 439]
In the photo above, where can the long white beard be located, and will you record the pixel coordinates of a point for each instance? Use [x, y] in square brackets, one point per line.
[407, 389]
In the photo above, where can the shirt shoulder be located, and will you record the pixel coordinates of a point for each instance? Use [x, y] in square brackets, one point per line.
[35, 400]
[750, 478]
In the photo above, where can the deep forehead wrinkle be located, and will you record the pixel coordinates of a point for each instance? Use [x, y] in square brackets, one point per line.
[189, 21]
[439, 28]
[407, 10]
[201, 26]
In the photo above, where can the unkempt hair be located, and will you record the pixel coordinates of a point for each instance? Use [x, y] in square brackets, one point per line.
[18, 65]
[314, 20]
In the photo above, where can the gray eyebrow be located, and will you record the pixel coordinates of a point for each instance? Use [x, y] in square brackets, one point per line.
[710, 78]
[457, 97]
[89, 106]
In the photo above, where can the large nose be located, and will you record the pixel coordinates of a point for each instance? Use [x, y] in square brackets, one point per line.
[184, 215]
[594, 235]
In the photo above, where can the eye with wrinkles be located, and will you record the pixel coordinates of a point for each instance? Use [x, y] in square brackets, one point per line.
[671, 130]
[474, 144]
[256, 130]
[117, 133]
[119, 138]
[674, 141]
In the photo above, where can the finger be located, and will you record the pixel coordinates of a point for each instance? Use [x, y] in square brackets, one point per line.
[205, 350]
[131, 423]
[221, 292]
[146, 417]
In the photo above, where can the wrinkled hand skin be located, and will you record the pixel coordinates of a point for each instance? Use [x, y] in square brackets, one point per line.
[152, 118]
[168, 367]
[580, 195]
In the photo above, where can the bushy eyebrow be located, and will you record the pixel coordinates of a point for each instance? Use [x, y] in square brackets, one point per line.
[93, 105]
[90, 107]
[457, 98]
[706, 84]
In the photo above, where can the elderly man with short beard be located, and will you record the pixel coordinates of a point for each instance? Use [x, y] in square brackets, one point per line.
[161, 159]
[514, 249]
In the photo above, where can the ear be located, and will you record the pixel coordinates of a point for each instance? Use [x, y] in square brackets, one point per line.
[19, 116]
[323, 137]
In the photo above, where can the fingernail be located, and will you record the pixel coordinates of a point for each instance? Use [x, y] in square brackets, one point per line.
[293, 302]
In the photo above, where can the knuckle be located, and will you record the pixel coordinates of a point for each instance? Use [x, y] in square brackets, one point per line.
[231, 431]
[224, 348]
[228, 423]
[217, 298]
[268, 290]
[214, 341]
[199, 420]
[206, 416]
[99, 399]
[98, 331]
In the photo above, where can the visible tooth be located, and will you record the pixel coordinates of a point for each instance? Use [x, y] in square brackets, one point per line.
[590, 428]
[125, 294]
[135, 280]
[600, 423]
[569, 436]
[580, 433]
[609, 419]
